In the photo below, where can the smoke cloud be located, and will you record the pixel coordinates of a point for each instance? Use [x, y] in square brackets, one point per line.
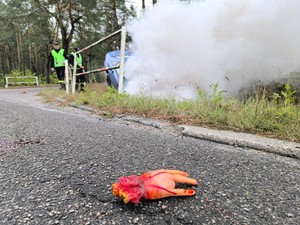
[180, 48]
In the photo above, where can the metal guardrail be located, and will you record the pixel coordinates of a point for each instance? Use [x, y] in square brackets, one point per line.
[99, 70]
[121, 66]
[21, 80]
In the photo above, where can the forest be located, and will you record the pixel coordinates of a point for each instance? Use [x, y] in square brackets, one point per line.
[29, 27]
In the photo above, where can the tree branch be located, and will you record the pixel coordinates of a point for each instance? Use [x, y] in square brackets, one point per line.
[44, 8]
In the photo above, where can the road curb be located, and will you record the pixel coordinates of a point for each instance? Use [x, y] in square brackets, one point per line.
[244, 140]
[82, 107]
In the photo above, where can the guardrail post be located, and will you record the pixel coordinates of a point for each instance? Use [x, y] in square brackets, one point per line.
[122, 56]
[74, 73]
[67, 76]
[6, 84]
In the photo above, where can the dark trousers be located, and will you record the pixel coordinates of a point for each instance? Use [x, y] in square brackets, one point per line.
[60, 72]
[80, 79]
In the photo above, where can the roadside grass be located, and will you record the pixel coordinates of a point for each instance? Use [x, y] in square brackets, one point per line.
[276, 115]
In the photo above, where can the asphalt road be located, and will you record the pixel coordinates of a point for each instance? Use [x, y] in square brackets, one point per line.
[57, 165]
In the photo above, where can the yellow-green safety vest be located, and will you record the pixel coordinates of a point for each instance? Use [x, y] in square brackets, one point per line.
[78, 59]
[59, 59]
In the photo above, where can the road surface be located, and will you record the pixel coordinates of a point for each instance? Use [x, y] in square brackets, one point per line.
[57, 165]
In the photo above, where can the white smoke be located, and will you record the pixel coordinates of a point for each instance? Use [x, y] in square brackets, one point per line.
[180, 48]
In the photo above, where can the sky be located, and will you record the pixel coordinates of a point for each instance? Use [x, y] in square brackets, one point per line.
[181, 48]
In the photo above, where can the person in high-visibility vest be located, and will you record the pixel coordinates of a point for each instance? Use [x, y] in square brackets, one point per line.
[57, 63]
[80, 79]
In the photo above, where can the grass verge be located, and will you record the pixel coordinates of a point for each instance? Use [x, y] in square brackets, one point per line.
[276, 116]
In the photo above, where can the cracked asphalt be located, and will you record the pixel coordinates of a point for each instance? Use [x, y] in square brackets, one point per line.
[57, 165]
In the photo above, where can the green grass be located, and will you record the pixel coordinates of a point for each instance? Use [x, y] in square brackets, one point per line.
[277, 116]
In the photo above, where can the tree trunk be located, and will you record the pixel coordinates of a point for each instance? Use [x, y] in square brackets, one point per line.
[1, 60]
[8, 63]
[112, 26]
[64, 19]
[18, 40]
[65, 42]
[143, 4]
